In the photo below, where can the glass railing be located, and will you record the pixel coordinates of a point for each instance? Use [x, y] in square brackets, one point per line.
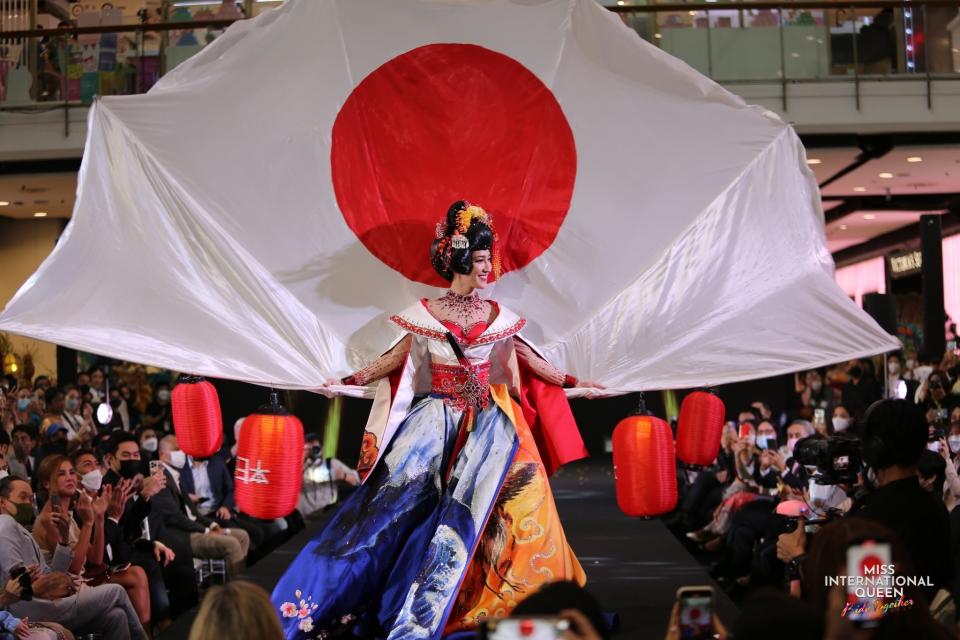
[804, 41]
[104, 53]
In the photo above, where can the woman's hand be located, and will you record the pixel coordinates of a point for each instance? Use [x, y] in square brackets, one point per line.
[84, 508]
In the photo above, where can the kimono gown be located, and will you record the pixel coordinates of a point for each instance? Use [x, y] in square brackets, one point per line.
[455, 521]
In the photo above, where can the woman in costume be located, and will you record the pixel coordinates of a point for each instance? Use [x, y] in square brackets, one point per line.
[455, 521]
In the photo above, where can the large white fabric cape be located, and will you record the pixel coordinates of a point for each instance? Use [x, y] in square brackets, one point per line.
[207, 236]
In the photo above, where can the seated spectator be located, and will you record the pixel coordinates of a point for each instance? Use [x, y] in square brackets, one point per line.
[55, 401]
[131, 578]
[104, 609]
[239, 610]
[126, 540]
[64, 507]
[176, 519]
[24, 462]
[53, 441]
[147, 438]
[97, 386]
[208, 484]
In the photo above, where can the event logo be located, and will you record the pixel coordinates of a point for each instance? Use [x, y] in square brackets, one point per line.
[872, 585]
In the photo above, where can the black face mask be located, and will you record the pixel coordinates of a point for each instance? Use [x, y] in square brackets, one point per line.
[129, 468]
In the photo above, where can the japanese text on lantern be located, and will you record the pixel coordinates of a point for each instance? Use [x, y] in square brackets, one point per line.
[255, 475]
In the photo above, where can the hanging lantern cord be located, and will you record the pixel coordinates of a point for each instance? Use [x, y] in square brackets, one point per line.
[641, 405]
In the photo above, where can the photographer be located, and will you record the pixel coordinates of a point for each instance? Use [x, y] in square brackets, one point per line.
[895, 436]
[933, 399]
[321, 477]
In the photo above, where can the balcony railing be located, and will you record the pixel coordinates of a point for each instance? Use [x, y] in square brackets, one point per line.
[732, 43]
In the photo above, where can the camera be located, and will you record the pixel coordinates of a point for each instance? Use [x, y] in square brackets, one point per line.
[22, 576]
[837, 459]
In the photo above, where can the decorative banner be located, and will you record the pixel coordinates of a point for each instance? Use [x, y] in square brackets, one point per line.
[260, 212]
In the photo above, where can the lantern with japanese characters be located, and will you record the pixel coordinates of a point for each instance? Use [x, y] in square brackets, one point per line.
[644, 465]
[269, 462]
[700, 427]
[196, 416]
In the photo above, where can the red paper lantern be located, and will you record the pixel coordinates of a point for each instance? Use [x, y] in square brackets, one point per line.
[700, 428]
[269, 462]
[644, 465]
[196, 417]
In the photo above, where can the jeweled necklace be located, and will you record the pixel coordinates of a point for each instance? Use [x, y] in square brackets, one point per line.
[464, 307]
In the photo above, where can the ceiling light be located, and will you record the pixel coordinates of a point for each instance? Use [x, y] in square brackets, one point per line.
[3, 203]
[39, 214]
[814, 161]
[869, 216]
[885, 175]
[914, 159]
[859, 189]
[843, 227]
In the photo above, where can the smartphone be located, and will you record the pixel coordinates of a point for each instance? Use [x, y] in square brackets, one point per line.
[934, 446]
[55, 502]
[869, 559]
[819, 416]
[538, 628]
[156, 468]
[745, 431]
[951, 345]
[696, 612]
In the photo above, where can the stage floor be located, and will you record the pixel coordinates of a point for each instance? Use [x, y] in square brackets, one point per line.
[634, 567]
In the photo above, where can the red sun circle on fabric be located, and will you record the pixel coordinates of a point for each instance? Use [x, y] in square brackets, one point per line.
[448, 122]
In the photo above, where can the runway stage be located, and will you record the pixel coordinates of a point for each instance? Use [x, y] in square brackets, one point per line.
[634, 567]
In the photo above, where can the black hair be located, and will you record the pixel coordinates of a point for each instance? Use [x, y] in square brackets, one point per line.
[894, 433]
[83, 452]
[118, 437]
[6, 485]
[4, 437]
[554, 597]
[51, 393]
[28, 429]
[932, 465]
[479, 236]
[768, 609]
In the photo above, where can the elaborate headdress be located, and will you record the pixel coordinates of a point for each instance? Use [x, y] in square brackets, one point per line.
[467, 228]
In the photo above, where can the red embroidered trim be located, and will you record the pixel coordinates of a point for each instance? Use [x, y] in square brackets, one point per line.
[500, 335]
[417, 329]
[405, 324]
[462, 387]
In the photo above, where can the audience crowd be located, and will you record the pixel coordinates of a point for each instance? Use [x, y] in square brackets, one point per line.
[861, 456]
[105, 529]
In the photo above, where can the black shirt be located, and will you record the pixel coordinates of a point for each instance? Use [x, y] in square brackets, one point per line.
[921, 521]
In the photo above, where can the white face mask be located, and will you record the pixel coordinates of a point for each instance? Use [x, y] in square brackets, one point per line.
[92, 480]
[954, 442]
[765, 441]
[911, 364]
[893, 367]
[178, 459]
[150, 444]
[3, 473]
[840, 424]
[824, 497]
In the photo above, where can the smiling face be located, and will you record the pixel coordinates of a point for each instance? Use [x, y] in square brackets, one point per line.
[477, 278]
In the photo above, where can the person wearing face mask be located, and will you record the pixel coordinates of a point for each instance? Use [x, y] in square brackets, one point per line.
[842, 421]
[949, 450]
[126, 525]
[179, 521]
[159, 415]
[131, 578]
[861, 389]
[933, 399]
[148, 443]
[103, 610]
[71, 417]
